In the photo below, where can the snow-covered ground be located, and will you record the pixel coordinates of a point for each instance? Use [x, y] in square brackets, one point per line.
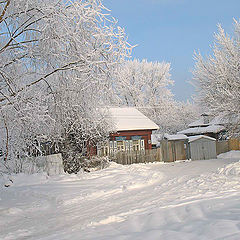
[183, 200]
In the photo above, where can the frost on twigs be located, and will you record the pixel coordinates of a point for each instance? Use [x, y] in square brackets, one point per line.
[57, 59]
[147, 86]
[217, 78]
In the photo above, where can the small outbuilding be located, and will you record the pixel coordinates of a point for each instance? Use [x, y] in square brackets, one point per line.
[174, 147]
[202, 147]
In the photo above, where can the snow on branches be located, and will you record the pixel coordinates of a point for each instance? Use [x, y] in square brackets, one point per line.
[146, 85]
[217, 78]
[57, 59]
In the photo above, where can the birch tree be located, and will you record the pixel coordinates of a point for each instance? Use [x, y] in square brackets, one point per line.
[217, 78]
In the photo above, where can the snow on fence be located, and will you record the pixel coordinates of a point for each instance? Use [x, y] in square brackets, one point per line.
[54, 164]
[51, 164]
[125, 158]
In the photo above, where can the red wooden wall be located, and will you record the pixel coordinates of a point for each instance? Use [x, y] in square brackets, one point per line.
[146, 135]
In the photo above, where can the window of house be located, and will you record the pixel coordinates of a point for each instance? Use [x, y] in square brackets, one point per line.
[136, 145]
[120, 145]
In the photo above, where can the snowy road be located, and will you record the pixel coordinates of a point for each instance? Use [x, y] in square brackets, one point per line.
[186, 200]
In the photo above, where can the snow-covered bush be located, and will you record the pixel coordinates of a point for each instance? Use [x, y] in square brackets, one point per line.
[79, 162]
[28, 165]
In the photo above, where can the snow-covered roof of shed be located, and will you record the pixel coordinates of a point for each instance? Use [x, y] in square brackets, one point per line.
[175, 137]
[200, 130]
[129, 118]
[194, 138]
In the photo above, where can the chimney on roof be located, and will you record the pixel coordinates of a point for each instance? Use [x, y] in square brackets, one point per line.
[206, 118]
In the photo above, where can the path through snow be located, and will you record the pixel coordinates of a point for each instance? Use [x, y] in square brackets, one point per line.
[185, 200]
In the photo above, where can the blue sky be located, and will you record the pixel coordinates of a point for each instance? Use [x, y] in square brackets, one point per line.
[170, 31]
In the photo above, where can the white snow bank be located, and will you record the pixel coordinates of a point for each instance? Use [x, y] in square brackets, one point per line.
[23, 179]
[231, 169]
[187, 200]
[231, 154]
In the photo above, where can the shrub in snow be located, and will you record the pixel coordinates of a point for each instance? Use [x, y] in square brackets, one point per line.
[24, 165]
[79, 163]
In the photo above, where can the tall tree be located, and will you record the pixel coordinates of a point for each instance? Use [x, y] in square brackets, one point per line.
[217, 78]
[146, 85]
[57, 59]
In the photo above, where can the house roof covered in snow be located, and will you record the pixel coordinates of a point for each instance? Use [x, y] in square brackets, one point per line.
[202, 130]
[218, 120]
[194, 138]
[199, 122]
[129, 118]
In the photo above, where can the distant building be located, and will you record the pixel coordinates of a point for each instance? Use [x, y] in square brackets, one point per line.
[206, 125]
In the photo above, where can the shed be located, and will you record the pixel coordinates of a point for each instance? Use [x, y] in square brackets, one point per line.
[174, 147]
[202, 147]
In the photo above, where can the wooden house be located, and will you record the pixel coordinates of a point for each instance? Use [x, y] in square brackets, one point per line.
[133, 132]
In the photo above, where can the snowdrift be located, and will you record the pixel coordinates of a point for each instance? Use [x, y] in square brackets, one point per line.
[186, 200]
[231, 154]
[231, 169]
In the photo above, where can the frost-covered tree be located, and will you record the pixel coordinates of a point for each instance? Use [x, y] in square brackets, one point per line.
[217, 77]
[175, 116]
[141, 83]
[146, 85]
[56, 64]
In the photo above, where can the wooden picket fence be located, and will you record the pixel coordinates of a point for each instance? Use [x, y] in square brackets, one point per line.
[125, 158]
[155, 155]
[234, 144]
